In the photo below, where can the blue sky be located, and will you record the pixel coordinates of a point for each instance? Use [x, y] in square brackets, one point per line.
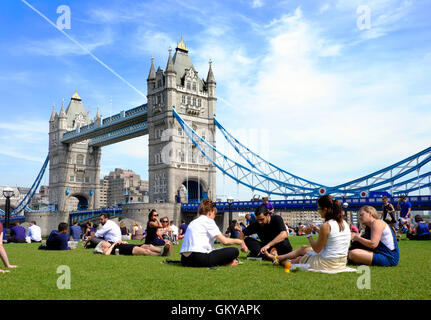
[297, 81]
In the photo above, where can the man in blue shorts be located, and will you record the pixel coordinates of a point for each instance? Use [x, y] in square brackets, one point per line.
[405, 208]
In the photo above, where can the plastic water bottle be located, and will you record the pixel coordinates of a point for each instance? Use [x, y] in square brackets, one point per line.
[117, 252]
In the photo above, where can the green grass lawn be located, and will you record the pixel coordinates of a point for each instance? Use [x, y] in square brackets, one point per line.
[128, 277]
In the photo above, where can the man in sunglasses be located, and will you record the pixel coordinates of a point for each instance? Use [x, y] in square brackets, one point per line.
[109, 231]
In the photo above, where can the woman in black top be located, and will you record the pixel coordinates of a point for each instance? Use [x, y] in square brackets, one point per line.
[153, 226]
[388, 209]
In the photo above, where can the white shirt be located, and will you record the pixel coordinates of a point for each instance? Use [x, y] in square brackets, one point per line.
[174, 229]
[34, 233]
[110, 231]
[338, 242]
[387, 239]
[200, 235]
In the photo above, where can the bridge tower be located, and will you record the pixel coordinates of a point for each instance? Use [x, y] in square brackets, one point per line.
[74, 169]
[177, 170]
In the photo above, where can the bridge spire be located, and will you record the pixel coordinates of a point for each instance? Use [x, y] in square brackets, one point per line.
[98, 113]
[210, 77]
[62, 111]
[76, 96]
[53, 114]
[152, 74]
[181, 46]
[170, 65]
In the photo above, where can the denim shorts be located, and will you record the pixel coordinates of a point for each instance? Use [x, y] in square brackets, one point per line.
[384, 260]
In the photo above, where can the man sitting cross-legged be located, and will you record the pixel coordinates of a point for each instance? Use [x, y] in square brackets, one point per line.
[271, 231]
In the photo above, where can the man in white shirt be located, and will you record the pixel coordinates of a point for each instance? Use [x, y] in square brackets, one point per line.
[174, 229]
[109, 231]
[34, 232]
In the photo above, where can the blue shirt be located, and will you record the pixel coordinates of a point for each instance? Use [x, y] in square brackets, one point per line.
[75, 232]
[404, 208]
[57, 241]
[422, 229]
[184, 228]
[18, 232]
[252, 218]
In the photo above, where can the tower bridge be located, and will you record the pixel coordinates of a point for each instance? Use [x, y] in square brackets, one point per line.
[179, 119]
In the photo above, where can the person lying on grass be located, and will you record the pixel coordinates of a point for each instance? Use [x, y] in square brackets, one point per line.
[330, 250]
[379, 247]
[197, 249]
[3, 254]
[124, 248]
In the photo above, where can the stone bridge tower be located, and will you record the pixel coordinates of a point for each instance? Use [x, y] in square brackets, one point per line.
[177, 170]
[74, 169]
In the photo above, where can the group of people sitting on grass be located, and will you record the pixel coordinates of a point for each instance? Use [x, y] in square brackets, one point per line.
[334, 247]
[266, 237]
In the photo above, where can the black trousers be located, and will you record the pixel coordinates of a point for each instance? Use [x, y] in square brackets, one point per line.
[254, 247]
[416, 237]
[217, 257]
[15, 240]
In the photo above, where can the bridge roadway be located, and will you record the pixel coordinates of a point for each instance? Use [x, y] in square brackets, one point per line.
[419, 203]
[124, 125]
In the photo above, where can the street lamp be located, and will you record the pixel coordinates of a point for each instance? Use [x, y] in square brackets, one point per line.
[345, 206]
[7, 193]
[230, 201]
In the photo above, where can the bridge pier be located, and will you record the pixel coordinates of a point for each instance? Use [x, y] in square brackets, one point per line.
[47, 221]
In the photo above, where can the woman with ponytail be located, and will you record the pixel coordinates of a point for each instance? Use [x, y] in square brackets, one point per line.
[331, 248]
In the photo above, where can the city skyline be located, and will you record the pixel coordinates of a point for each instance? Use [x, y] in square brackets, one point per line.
[343, 100]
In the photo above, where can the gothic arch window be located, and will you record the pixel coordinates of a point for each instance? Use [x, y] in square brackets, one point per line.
[199, 102]
[194, 86]
[188, 85]
[183, 99]
[194, 101]
[189, 100]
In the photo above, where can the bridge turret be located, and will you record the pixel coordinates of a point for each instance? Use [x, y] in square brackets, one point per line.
[151, 80]
[176, 168]
[171, 83]
[74, 168]
[211, 85]
[53, 114]
[62, 118]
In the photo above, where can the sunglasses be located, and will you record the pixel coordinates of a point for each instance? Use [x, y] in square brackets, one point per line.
[155, 215]
[165, 221]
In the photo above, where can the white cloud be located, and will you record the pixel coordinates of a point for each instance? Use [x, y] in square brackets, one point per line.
[154, 43]
[330, 126]
[257, 3]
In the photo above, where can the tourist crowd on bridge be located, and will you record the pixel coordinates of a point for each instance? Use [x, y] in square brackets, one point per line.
[262, 235]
